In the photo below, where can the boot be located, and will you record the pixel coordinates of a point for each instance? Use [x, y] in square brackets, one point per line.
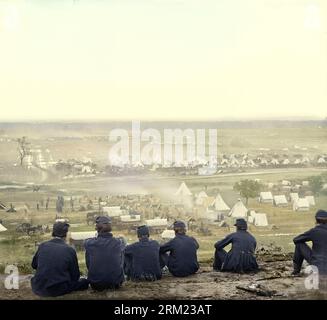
[296, 270]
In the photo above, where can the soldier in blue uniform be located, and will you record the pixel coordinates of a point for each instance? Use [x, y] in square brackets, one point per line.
[241, 257]
[182, 259]
[316, 256]
[104, 257]
[142, 258]
[57, 271]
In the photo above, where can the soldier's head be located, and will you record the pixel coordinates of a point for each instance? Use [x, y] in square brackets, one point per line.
[321, 217]
[60, 229]
[103, 224]
[179, 227]
[143, 232]
[241, 224]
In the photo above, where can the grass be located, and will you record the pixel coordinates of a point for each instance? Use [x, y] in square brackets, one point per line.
[19, 250]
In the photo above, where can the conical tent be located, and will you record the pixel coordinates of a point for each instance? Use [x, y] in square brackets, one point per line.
[201, 198]
[220, 204]
[239, 210]
[183, 190]
[2, 228]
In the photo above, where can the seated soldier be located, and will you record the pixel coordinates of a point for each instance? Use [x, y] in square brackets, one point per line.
[104, 257]
[142, 258]
[241, 257]
[57, 271]
[182, 259]
[316, 256]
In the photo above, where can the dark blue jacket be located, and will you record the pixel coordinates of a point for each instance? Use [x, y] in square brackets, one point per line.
[104, 260]
[318, 236]
[241, 257]
[142, 260]
[56, 268]
[182, 260]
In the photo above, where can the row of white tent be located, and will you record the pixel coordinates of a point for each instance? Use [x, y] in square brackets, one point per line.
[219, 205]
[299, 204]
[233, 162]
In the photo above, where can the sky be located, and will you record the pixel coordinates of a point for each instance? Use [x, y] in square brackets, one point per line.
[162, 59]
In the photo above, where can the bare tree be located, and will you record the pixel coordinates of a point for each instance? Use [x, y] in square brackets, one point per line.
[23, 148]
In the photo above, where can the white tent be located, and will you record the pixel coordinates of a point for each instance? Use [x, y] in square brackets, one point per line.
[130, 218]
[266, 197]
[183, 190]
[234, 162]
[83, 235]
[264, 162]
[168, 234]
[305, 183]
[239, 210]
[297, 161]
[321, 160]
[280, 201]
[250, 219]
[251, 163]
[286, 162]
[260, 220]
[114, 211]
[220, 204]
[286, 183]
[294, 196]
[274, 162]
[311, 200]
[251, 216]
[2, 228]
[301, 205]
[157, 222]
[200, 198]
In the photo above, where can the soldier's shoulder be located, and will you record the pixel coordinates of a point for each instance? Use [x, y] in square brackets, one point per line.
[232, 235]
[89, 241]
[192, 238]
[132, 245]
[154, 242]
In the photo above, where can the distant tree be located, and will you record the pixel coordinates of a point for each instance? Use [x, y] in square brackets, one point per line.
[316, 184]
[23, 149]
[248, 188]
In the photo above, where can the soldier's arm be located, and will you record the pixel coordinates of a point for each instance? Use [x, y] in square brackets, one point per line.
[128, 250]
[35, 260]
[74, 268]
[304, 237]
[87, 255]
[196, 243]
[223, 243]
[166, 247]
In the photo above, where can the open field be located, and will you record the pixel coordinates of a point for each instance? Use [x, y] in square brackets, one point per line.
[16, 188]
[287, 222]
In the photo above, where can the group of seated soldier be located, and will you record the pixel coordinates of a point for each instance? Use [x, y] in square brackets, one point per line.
[110, 262]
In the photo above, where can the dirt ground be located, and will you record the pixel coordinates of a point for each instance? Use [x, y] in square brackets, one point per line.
[272, 282]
